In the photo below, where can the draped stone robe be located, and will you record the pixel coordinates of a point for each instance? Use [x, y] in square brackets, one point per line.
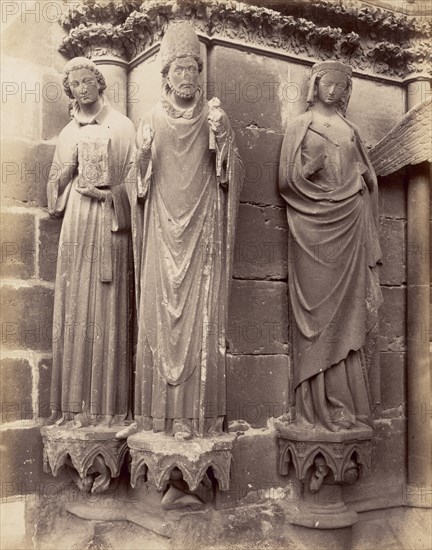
[333, 283]
[94, 280]
[184, 236]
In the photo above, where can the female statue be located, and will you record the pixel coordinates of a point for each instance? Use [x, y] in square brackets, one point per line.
[330, 189]
[92, 307]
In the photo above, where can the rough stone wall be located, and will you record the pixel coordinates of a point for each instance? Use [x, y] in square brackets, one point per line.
[34, 110]
[259, 94]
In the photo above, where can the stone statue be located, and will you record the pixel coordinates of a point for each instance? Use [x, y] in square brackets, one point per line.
[330, 189]
[93, 303]
[184, 215]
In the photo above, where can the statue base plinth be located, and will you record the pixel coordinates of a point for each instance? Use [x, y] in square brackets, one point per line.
[92, 455]
[156, 455]
[323, 462]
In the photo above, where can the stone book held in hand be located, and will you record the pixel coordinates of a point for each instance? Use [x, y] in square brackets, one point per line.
[93, 165]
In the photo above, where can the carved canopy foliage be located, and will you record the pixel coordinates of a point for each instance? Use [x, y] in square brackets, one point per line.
[367, 38]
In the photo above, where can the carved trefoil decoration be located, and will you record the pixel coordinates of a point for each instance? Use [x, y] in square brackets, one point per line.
[92, 457]
[324, 462]
[159, 459]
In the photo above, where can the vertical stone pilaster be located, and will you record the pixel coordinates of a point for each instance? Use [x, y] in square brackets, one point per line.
[418, 323]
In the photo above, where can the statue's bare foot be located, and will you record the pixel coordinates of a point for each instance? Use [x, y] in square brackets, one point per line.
[53, 418]
[344, 424]
[106, 421]
[182, 431]
[214, 433]
[81, 421]
[129, 430]
[62, 422]
[182, 436]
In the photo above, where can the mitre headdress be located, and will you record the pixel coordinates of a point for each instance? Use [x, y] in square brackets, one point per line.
[180, 40]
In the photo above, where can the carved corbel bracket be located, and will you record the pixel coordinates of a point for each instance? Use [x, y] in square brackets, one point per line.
[93, 457]
[156, 455]
[324, 461]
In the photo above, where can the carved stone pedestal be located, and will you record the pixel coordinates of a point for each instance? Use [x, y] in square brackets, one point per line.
[180, 466]
[323, 462]
[93, 456]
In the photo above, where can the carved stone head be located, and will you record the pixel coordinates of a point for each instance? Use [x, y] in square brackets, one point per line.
[181, 61]
[80, 65]
[336, 84]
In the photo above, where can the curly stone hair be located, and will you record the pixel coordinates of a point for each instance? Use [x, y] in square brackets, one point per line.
[81, 63]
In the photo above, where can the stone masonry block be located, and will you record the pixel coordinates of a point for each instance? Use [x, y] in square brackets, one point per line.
[392, 317]
[44, 387]
[261, 170]
[49, 232]
[25, 171]
[392, 195]
[375, 108]
[258, 319]
[257, 90]
[254, 467]
[386, 483]
[261, 243]
[27, 317]
[257, 388]
[22, 463]
[16, 390]
[392, 240]
[392, 366]
[18, 246]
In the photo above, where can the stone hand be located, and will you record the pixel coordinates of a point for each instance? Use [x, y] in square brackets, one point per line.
[94, 193]
[216, 118]
[313, 166]
[147, 135]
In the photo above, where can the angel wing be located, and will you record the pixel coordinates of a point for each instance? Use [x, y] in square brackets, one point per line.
[409, 142]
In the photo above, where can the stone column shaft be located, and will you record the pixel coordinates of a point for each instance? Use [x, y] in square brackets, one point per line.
[418, 323]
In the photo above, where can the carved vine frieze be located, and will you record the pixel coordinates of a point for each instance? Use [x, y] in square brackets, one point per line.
[368, 38]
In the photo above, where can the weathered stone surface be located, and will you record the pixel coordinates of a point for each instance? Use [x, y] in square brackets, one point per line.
[27, 24]
[375, 108]
[16, 390]
[158, 454]
[392, 240]
[254, 470]
[385, 485]
[44, 387]
[267, 397]
[393, 528]
[25, 327]
[18, 246]
[261, 243]
[392, 367]
[25, 171]
[257, 91]
[86, 451]
[22, 471]
[392, 195]
[392, 319]
[55, 105]
[49, 231]
[261, 171]
[258, 318]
